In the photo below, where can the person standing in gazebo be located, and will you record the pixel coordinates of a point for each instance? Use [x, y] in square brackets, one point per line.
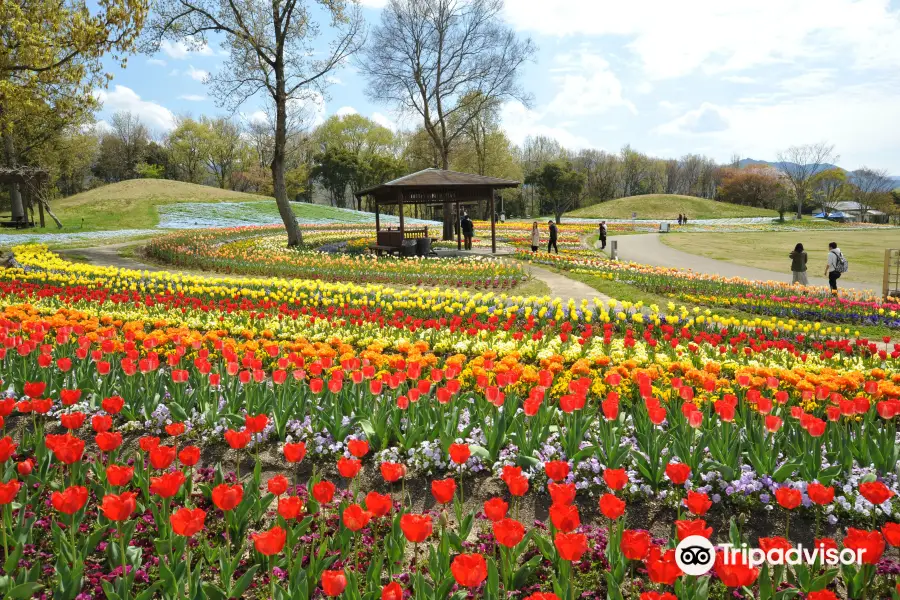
[468, 230]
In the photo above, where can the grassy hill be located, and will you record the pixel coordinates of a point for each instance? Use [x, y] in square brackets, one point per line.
[668, 206]
[133, 204]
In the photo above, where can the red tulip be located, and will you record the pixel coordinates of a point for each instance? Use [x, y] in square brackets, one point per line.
[237, 439]
[189, 456]
[9, 490]
[696, 527]
[162, 457]
[119, 475]
[167, 485]
[72, 421]
[822, 595]
[271, 542]
[348, 467]
[289, 507]
[358, 448]
[891, 533]
[869, 545]
[875, 492]
[518, 486]
[277, 485]
[101, 423]
[565, 517]
[774, 543]
[378, 504]
[788, 498]
[108, 441]
[736, 573]
[611, 507]
[392, 472]
[443, 490]
[635, 544]
[469, 570]
[113, 405]
[67, 449]
[294, 453]
[227, 497]
[187, 522]
[698, 503]
[70, 500]
[416, 528]
[355, 518]
[392, 591]
[571, 546]
[562, 493]
[495, 509]
[661, 566]
[819, 494]
[323, 492]
[25, 467]
[615, 478]
[34, 389]
[508, 532]
[333, 582]
[460, 453]
[678, 473]
[118, 507]
[7, 448]
[556, 470]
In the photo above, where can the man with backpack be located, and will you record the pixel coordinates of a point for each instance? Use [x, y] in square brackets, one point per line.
[837, 264]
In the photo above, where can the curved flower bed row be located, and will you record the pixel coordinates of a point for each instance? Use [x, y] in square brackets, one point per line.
[251, 252]
[607, 407]
[772, 298]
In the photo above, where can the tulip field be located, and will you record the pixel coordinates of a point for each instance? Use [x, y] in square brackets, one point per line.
[177, 436]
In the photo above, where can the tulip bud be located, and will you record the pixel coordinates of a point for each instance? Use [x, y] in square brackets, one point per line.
[25, 467]
[444, 520]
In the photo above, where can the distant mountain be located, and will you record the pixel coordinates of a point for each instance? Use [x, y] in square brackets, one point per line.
[746, 162]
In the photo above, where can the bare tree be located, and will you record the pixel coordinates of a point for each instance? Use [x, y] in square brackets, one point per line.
[270, 52]
[800, 164]
[133, 135]
[426, 56]
[829, 188]
[871, 189]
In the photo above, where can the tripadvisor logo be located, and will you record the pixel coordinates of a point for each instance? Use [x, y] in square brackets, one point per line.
[696, 555]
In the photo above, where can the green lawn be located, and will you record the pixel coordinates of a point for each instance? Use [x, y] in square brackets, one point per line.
[668, 206]
[863, 248]
[133, 205]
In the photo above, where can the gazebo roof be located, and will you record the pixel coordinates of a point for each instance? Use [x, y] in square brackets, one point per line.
[440, 179]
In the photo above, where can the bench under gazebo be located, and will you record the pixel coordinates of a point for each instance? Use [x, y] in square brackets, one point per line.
[431, 187]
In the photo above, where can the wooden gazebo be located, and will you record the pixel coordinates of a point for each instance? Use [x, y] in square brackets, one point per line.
[433, 187]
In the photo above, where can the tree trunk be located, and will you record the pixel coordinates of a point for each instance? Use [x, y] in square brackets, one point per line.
[15, 198]
[801, 193]
[448, 212]
[295, 236]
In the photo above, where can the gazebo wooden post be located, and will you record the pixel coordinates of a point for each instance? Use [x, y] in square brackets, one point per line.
[493, 225]
[458, 228]
[400, 209]
[377, 218]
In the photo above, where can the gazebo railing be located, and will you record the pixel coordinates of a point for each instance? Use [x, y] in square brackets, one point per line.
[891, 283]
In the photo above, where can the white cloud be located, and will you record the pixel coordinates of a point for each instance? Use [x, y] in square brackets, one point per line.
[373, 3]
[809, 82]
[384, 121]
[156, 116]
[332, 80]
[709, 118]
[192, 97]
[672, 39]
[157, 62]
[519, 122]
[346, 110]
[741, 79]
[183, 48]
[174, 73]
[196, 74]
[586, 86]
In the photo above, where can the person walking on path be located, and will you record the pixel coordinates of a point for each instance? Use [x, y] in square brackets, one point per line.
[837, 264]
[679, 218]
[798, 265]
[553, 233]
[684, 219]
[603, 235]
[468, 230]
[535, 237]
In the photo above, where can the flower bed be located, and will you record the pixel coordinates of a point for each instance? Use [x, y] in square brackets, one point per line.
[591, 405]
[771, 298]
[255, 251]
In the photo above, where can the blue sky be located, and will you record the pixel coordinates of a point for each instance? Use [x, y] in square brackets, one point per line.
[716, 77]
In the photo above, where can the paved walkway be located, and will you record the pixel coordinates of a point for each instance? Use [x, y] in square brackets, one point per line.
[648, 249]
[108, 256]
[564, 288]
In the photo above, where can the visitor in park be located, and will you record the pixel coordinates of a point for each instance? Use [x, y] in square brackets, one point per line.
[679, 218]
[535, 237]
[603, 235]
[837, 264]
[798, 265]
[468, 230]
[552, 242]
[684, 219]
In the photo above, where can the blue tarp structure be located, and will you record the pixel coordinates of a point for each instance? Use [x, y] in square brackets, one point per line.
[832, 215]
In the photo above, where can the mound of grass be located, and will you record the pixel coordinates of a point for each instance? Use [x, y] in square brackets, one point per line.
[668, 206]
[133, 204]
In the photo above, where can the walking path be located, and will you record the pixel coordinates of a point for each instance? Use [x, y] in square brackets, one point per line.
[564, 288]
[648, 249]
[108, 256]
